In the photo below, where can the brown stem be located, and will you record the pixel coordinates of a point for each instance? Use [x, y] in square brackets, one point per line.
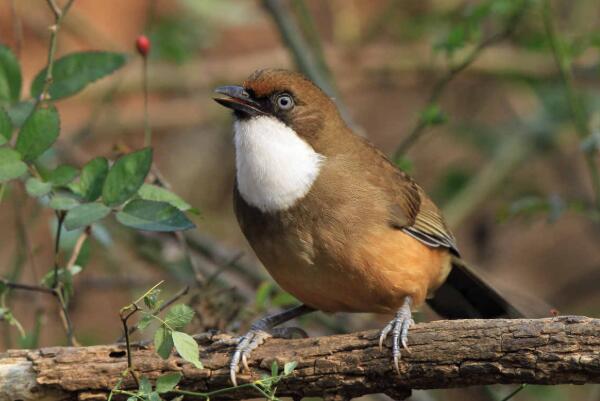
[26, 287]
[124, 319]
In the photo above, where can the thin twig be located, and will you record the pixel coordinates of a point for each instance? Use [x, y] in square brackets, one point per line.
[124, 319]
[441, 85]
[26, 287]
[58, 17]
[169, 302]
[79, 246]
[60, 215]
[55, 9]
[515, 392]
[576, 106]
[66, 319]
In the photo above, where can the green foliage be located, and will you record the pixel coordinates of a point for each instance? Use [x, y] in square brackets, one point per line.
[5, 127]
[153, 216]
[91, 179]
[175, 39]
[19, 112]
[38, 133]
[126, 177]
[37, 188]
[163, 342]
[268, 294]
[10, 76]
[7, 316]
[404, 164]
[75, 71]
[433, 115]
[160, 194]
[11, 166]
[187, 348]
[63, 202]
[179, 316]
[167, 382]
[86, 214]
[62, 175]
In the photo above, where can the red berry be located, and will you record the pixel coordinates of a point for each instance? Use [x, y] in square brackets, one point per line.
[142, 43]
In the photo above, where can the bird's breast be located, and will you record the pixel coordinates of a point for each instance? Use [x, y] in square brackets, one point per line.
[274, 166]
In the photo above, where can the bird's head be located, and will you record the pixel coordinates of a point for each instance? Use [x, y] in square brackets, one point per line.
[286, 96]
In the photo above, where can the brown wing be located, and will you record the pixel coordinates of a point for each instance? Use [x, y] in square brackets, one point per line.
[411, 210]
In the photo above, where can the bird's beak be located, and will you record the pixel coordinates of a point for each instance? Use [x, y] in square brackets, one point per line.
[238, 100]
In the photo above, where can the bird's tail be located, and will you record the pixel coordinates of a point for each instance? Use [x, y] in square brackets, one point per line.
[467, 295]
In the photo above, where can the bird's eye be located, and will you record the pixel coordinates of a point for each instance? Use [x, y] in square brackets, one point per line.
[285, 102]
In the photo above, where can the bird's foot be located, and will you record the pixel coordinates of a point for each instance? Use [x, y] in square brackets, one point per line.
[260, 331]
[399, 327]
[253, 339]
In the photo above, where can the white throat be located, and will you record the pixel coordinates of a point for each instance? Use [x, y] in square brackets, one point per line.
[275, 167]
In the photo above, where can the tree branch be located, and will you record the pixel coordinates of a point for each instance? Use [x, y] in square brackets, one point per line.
[443, 354]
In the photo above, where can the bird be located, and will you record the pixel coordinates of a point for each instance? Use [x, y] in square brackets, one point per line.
[334, 221]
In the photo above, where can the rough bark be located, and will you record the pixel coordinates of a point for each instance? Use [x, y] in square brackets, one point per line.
[442, 354]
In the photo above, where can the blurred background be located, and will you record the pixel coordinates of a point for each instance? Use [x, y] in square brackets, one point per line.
[493, 106]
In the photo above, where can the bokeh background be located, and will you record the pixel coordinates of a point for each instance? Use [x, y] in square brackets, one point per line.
[496, 146]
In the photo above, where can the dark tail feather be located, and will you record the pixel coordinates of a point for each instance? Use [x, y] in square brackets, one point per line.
[466, 295]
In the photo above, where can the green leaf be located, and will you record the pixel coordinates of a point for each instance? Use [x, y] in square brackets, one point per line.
[75, 71]
[153, 396]
[274, 369]
[433, 115]
[37, 188]
[159, 194]
[153, 216]
[38, 132]
[19, 112]
[144, 322]
[126, 176]
[5, 127]
[151, 299]
[145, 386]
[62, 175]
[84, 215]
[289, 367]
[179, 315]
[11, 166]
[167, 382]
[62, 202]
[163, 342]
[91, 179]
[187, 347]
[10, 75]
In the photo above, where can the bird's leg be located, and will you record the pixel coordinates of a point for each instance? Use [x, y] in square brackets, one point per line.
[259, 332]
[399, 327]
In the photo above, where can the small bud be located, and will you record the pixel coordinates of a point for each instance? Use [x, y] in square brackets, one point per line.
[554, 312]
[142, 43]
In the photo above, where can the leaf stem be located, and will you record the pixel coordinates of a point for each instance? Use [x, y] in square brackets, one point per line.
[79, 246]
[515, 392]
[58, 17]
[60, 215]
[124, 319]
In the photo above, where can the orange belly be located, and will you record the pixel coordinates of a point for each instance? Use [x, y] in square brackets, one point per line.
[374, 275]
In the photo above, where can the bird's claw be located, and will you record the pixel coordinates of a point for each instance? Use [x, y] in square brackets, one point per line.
[399, 328]
[247, 343]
